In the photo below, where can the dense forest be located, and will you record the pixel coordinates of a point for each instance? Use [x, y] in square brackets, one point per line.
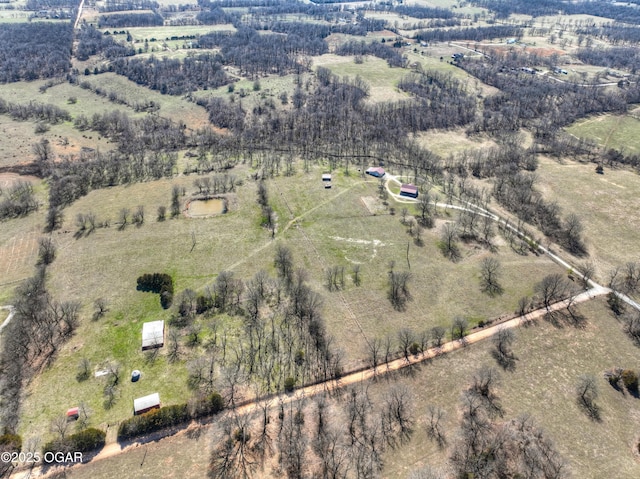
[616, 57]
[34, 50]
[174, 77]
[475, 34]
[120, 20]
[599, 8]
[539, 103]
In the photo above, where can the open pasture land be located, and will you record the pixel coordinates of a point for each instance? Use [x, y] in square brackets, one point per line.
[610, 131]
[453, 5]
[607, 205]
[164, 33]
[19, 136]
[337, 229]
[173, 107]
[376, 72]
[272, 87]
[550, 362]
[19, 239]
[332, 227]
[453, 141]
[105, 264]
[14, 16]
[430, 56]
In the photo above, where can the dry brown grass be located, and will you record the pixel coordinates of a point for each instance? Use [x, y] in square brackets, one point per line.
[606, 203]
[550, 361]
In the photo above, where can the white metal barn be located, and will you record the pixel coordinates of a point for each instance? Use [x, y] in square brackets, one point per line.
[152, 335]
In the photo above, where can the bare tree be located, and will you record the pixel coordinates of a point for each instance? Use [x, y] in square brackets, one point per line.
[490, 276]
[587, 394]
[502, 352]
[552, 288]
[100, 308]
[375, 347]
[175, 201]
[398, 289]
[588, 270]
[437, 335]
[459, 328]
[448, 243]
[138, 215]
[356, 274]
[46, 251]
[173, 353]
[284, 264]
[60, 425]
[84, 370]
[233, 456]
[397, 415]
[406, 337]
[162, 213]
[436, 430]
[123, 217]
[483, 384]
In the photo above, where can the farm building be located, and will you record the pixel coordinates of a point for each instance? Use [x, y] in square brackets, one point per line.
[326, 177]
[152, 335]
[146, 403]
[409, 190]
[375, 171]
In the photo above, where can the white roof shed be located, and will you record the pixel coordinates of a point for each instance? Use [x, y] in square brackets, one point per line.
[146, 403]
[152, 335]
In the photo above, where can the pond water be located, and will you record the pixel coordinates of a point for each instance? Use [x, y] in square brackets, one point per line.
[213, 206]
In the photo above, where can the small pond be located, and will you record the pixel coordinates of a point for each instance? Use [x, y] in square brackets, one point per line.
[214, 206]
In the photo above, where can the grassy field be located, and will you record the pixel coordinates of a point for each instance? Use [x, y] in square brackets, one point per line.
[166, 32]
[606, 203]
[271, 87]
[454, 141]
[175, 108]
[18, 240]
[375, 71]
[20, 135]
[610, 131]
[335, 228]
[550, 361]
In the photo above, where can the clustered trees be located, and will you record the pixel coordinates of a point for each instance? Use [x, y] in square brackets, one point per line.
[321, 438]
[34, 50]
[40, 325]
[17, 200]
[92, 42]
[486, 447]
[160, 283]
[284, 342]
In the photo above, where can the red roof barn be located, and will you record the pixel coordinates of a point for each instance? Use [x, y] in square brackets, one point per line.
[409, 190]
[375, 171]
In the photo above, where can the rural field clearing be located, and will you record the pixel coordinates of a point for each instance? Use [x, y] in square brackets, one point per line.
[550, 362]
[606, 203]
[453, 141]
[376, 72]
[332, 228]
[610, 131]
[173, 107]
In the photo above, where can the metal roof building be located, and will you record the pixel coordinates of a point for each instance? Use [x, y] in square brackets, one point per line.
[152, 335]
[375, 171]
[146, 403]
[409, 190]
